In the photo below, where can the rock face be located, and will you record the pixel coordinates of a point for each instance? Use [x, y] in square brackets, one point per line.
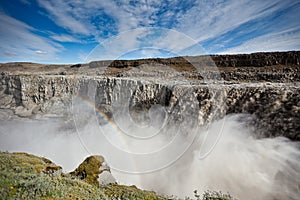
[276, 105]
[269, 93]
[258, 59]
[239, 60]
[33, 94]
[94, 170]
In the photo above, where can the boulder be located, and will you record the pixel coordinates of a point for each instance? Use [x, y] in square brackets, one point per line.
[94, 170]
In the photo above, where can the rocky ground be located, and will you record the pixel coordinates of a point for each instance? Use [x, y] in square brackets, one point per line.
[272, 66]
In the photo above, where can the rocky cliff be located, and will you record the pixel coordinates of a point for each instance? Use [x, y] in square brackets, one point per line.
[238, 60]
[258, 59]
[267, 88]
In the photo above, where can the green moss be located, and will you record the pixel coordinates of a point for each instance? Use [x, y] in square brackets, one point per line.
[88, 170]
[115, 191]
[25, 176]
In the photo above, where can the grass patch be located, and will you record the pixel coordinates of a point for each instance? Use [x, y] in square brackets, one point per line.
[25, 176]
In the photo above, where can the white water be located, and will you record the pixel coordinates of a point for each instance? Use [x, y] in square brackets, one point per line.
[246, 167]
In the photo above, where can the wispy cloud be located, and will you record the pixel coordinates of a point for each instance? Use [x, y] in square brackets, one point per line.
[218, 25]
[115, 47]
[81, 17]
[282, 41]
[243, 26]
[18, 39]
[61, 13]
[146, 42]
[64, 38]
[209, 19]
[9, 54]
[40, 52]
[119, 17]
[200, 20]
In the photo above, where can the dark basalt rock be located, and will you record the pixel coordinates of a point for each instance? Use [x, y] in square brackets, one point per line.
[257, 59]
[76, 66]
[239, 60]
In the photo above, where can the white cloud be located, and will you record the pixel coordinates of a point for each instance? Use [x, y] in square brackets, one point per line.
[80, 17]
[18, 39]
[61, 13]
[174, 41]
[209, 19]
[282, 41]
[40, 52]
[115, 47]
[9, 54]
[149, 42]
[151, 53]
[200, 20]
[64, 38]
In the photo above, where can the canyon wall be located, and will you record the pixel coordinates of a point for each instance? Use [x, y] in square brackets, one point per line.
[235, 60]
[275, 107]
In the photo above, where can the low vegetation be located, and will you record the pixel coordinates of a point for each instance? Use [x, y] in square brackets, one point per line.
[25, 176]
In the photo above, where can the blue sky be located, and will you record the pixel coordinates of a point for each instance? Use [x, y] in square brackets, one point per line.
[72, 31]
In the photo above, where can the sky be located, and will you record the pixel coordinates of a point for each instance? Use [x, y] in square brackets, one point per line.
[74, 31]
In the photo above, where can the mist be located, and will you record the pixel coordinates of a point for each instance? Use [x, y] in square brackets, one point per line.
[225, 156]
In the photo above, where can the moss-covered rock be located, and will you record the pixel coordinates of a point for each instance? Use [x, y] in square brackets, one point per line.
[36, 164]
[25, 176]
[91, 169]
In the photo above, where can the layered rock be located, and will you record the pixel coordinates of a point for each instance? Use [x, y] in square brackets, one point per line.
[258, 59]
[276, 105]
[29, 95]
[238, 60]
[270, 93]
